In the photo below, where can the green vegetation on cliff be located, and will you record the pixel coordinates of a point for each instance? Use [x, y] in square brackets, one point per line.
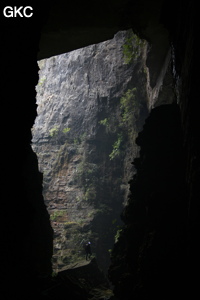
[132, 47]
[66, 130]
[116, 147]
[53, 131]
[125, 124]
[128, 106]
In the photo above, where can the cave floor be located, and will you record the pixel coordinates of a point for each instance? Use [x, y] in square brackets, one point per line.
[79, 281]
[75, 265]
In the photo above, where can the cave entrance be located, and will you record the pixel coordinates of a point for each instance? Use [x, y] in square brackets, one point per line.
[91, 104]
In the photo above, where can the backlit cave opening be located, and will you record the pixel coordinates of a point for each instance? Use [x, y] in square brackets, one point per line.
[91, 104]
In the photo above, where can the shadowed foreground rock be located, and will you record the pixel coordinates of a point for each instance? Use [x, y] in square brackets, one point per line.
[150, 258]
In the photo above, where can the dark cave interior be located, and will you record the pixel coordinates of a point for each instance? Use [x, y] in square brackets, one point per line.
[158, 253]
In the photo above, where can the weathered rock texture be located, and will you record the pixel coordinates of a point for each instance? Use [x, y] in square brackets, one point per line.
[80, 119]
[92, 102]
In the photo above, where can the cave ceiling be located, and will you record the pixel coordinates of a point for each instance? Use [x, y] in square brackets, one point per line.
[75, 24]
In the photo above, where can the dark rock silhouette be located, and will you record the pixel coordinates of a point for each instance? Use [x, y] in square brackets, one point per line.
[154, 238]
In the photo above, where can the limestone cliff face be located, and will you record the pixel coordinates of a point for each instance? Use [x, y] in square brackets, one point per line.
[92, 102]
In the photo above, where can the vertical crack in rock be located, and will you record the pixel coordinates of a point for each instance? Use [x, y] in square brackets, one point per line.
[92, 102]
